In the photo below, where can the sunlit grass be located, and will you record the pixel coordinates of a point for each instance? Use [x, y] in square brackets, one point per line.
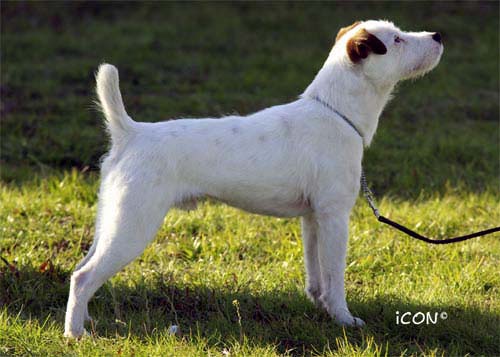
[203, 261]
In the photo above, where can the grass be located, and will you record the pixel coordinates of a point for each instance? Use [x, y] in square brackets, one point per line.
[232, 281]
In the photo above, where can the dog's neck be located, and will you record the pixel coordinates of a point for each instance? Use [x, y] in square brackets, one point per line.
[346, 89]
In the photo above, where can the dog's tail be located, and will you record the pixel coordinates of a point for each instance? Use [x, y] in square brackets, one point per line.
[118, 121]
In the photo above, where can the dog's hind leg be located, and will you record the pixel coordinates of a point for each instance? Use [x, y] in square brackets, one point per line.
[87, 257]
[84, 261]
[130, 216]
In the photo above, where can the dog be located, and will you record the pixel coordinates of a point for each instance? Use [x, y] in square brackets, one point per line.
[300, 159]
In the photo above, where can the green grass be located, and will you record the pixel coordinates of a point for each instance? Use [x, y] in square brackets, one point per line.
[232, 281]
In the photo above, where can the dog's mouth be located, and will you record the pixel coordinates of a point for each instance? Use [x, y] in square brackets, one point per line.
[426, 64]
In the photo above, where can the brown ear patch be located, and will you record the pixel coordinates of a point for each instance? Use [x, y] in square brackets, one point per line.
[343, 30]
[362, 44]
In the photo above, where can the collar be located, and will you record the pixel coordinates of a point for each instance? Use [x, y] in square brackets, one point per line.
[346, 119]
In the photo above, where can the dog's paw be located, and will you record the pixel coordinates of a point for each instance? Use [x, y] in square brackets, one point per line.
[344, 318]
[76, 334]
[358, 322]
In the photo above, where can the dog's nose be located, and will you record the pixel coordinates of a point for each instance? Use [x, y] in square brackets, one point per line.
[436, 37]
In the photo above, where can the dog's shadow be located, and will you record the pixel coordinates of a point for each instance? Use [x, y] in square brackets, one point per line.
[283, 319]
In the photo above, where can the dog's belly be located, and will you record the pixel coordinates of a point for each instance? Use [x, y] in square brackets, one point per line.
[269, 206]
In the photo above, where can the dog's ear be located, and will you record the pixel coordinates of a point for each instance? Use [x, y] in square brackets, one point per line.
[362, 44]
[343, 30]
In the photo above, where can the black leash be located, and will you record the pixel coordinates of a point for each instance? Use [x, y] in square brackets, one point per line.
[371, 202]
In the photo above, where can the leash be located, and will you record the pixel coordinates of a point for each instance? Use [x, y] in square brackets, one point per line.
[371, 200]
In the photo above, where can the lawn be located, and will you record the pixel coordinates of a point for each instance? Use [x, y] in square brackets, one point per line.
[233, 281]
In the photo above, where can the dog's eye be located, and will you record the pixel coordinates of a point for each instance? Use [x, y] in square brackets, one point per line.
[398, 39]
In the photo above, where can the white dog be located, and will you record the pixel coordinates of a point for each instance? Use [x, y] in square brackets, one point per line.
[298, 159]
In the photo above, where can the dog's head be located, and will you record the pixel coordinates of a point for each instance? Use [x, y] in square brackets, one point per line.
[386, 54]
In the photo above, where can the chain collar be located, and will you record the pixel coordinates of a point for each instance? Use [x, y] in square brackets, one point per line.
[346, 119]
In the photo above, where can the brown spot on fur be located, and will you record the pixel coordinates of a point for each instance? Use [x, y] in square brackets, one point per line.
[343, 30]
[362, 44]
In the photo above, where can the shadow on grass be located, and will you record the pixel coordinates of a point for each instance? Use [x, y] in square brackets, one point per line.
[284, 319]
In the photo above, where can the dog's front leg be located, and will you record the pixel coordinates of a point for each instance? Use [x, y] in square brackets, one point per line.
[313, 273]
[332, 249]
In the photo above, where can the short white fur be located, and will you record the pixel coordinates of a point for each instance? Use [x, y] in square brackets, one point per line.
[296, 159]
